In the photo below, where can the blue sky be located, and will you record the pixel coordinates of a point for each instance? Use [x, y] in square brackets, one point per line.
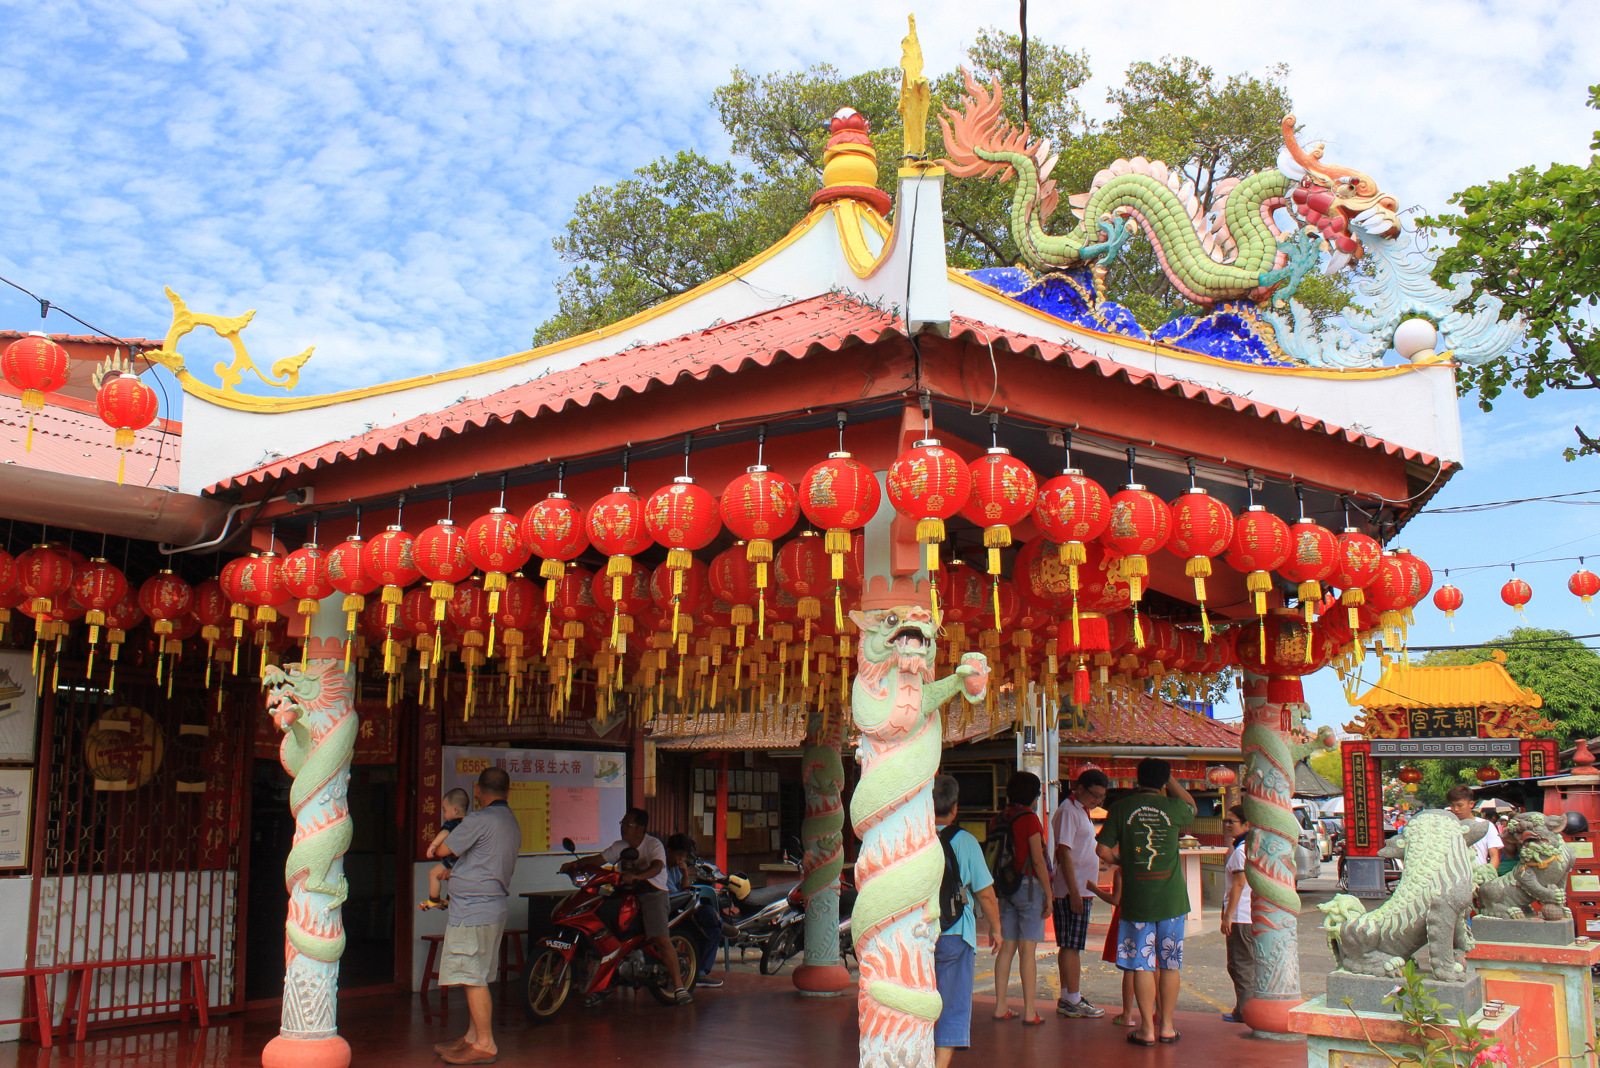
[382, 181]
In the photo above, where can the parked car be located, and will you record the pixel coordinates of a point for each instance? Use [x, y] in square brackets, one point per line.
[1308, 852]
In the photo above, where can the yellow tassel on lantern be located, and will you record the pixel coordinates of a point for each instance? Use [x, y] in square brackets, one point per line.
[996, 538]
[1135, 568]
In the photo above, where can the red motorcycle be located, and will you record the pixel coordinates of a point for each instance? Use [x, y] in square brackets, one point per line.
[599, 944]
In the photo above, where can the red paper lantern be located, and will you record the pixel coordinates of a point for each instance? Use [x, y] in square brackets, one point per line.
[36, 366]
[1202, 529]
[1004, 493]
[1584, 583]
[496, 547]
[1359, 557]
[1261, 545]
[690, 588]
[1420, 575]
[623, 600]
[164, 597]
[44, 574]
[440, 555]
[1072, 512]
[1447, 599]
[839, 495]
[390, 561]
[963, 593]
[348, 576]
[1291, 648]
[733, 580]
[554, 530]
[760, 506]
[615, 525]
[520, 603]
[1313, 560]
[306, 579]
[98, 587]
[929, 483]
[127, 405]
[1390, 593]
[1140, 523]
[1516, 593]
[802, 572]
[469, 610]
[1221, 776]
[1410, 775]
[1487, 773]
[683, 517]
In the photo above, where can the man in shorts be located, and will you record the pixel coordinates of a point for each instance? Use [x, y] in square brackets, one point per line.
[955, 952]
[1074, 885]
[652, 891]
[1141, 835]
[485, 846]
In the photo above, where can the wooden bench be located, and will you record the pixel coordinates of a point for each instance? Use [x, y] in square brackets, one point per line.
[36, 1004]
[430, 968]
[82, 979]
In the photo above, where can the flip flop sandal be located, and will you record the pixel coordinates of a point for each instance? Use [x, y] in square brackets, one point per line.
[1035, 1022]
[1002, 1019]
[1169, 1039]
[1134, 1039]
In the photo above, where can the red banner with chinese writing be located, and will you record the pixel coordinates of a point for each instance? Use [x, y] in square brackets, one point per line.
[429, 754]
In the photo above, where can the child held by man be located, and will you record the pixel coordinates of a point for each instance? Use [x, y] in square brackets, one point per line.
[454, 810]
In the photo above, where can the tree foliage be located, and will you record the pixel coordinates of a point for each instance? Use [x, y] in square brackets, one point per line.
[1551, 663]
[683, 220]
[1329, 763]
[1533, 240]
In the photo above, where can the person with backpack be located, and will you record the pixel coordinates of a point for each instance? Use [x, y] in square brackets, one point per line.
[966, 878]
[1015, 854]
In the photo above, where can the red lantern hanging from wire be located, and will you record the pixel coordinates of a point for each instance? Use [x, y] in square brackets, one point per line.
[623, 601]
[839, 495]
[306, 580]
[10, 596]
[1359, 557]
[684, 517]
[440, 553]
[35, 365]
[44, 574]
[1202, 529]
[760, 506]
[165, 597]
[1313, 558]
[99, 587]
[348, 575]
[1140, 524]
[211, 609]
[1388, 594]
[390, 560]
[127, 405]
[1004, 493]
[554, 530]
[929, 483]
[496, 547]
[1584, 584]
[1448, 600]
[120, 619]
[1516, 592]
[1261, 545]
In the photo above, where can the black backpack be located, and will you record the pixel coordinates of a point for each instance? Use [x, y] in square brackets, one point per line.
[1000, 853]
[952, 891]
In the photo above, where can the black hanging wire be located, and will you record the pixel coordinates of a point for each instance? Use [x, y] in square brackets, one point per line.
[844, 417]
[1133, 455]
[688, 445]
[1066, 447]
[1022, 58]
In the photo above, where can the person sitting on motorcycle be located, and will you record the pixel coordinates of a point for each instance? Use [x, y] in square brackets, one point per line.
[650, 882]
[707, 919]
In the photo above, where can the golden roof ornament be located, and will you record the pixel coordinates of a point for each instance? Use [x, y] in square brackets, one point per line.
[914, 96]
[850, 163]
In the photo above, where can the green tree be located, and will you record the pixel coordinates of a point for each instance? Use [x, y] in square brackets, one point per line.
[1551, 663]
[1533, 240]
[682, 221]
[1328, 763]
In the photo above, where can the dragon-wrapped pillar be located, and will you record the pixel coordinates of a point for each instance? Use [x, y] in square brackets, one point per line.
[896, 705]
[822, 974]
[1272, 707]
[311, 703]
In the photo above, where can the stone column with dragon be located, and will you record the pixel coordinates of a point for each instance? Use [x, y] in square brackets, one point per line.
[311, 703]
[822, 974]
[896, 704]
[1271, 707]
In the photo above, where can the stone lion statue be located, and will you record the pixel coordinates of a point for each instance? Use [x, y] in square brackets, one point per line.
[1537, 886]
[1428, 908]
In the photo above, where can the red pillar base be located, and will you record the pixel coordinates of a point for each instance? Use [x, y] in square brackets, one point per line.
[822, 981]
[283, 1052]
[1270, 1018]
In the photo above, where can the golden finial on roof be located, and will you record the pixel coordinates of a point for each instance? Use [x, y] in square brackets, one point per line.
[914, 95]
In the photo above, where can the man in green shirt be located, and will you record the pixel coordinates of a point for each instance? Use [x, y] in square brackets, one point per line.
[1140, 835]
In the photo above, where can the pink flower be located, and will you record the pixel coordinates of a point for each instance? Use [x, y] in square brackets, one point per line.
[1495, 1054]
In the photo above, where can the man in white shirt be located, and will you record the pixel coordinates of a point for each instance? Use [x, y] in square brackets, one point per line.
[1459, 800]
[1075, 882]
[651, 869]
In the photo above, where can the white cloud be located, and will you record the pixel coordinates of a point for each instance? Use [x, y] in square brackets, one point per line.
[383, 180]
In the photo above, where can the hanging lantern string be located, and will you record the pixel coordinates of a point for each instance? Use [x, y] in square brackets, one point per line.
[761, 445]
[1133, 455]
[926, 403]
[688, 445]
[994, 430]
[450, 501]
[843, 418]
[625, 467]
[358, 521]
[1066, 445]
[1250, 486]
[1344, 504]
[400, 510]
[503, 476]
[45, 307]
[1193, 484]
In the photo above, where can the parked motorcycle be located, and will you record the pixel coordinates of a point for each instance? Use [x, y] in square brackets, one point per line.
[599, 944]
[788, 939]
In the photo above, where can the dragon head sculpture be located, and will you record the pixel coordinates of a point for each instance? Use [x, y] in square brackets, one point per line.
[1335, 201]
[902, 637]
[301, 689]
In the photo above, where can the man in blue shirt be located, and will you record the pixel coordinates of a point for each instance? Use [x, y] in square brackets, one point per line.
[955, 954]
[485, 846]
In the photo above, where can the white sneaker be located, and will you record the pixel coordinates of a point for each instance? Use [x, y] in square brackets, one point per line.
[1080, 1009]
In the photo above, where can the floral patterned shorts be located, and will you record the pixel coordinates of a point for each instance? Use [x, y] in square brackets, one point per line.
[1148, 947]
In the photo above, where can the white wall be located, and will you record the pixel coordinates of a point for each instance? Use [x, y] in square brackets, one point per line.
[14, 900]
[533, 874]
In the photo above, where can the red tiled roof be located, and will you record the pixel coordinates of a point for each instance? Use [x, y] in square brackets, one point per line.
[1124, 718]
[70, 439]
[827, 322]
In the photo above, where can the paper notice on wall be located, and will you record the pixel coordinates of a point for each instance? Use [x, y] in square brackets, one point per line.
[575, 813]
[735, 825]
[697, 805]
[530, 803]
[1582, 850]
[708, 824]
[1586, 884]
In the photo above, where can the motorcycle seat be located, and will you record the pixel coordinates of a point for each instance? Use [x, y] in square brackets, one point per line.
[681, 899]
[760, 898]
